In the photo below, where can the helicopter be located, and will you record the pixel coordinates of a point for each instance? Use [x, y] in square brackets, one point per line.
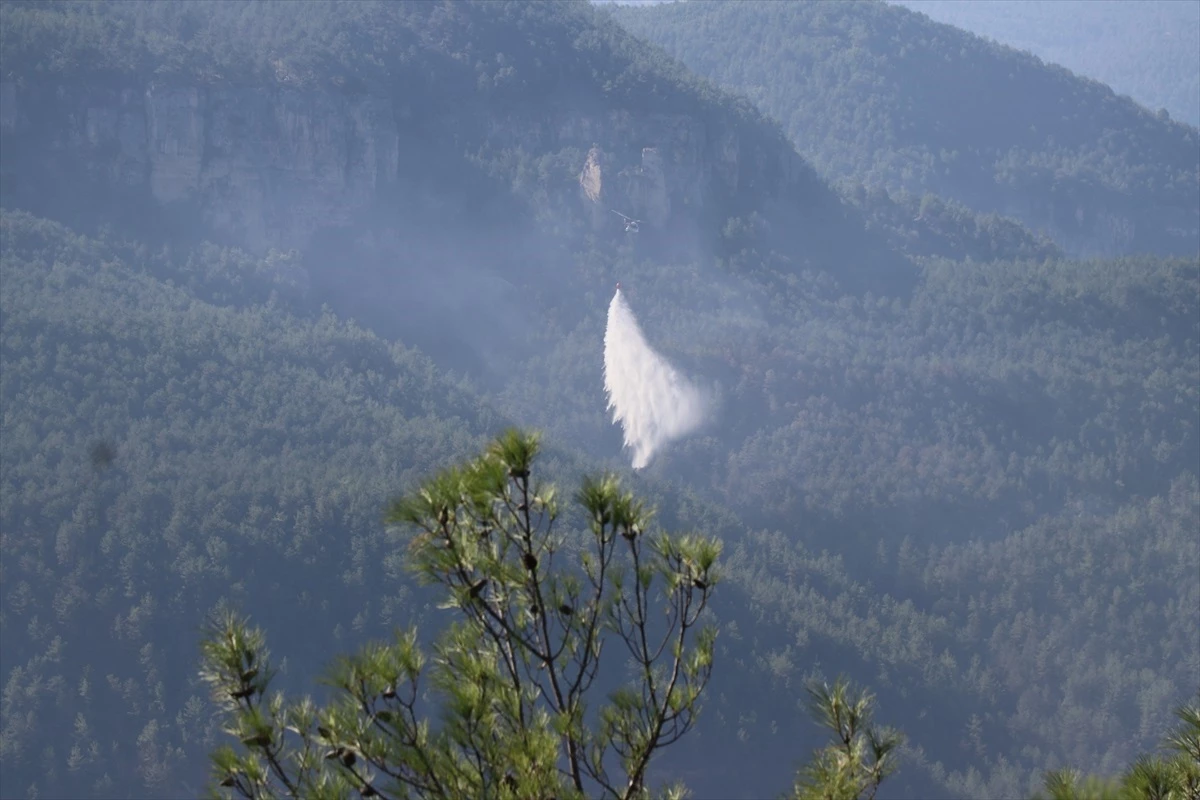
[631, 224]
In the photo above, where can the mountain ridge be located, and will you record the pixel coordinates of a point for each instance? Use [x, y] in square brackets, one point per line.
[190, 112]
[880, 94]
[1145, 50]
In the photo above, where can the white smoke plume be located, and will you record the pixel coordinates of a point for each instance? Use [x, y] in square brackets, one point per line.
[649, 398]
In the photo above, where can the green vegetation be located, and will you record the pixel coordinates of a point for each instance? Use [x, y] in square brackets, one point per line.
[931, 227]
[1172, 776]
[880, 95]
[451, 91]
[514, 671]
[981, 494]
[1146, 50]
[436, 51]
[860, 757]
[245, 452]
[1086, 545]
[946, 462]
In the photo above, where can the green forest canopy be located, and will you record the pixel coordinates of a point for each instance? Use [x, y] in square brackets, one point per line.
[979, 499]
[199, 401]
[881, 95]
[1146, 50]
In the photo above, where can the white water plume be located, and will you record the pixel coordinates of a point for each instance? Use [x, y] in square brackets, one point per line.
[649, 398]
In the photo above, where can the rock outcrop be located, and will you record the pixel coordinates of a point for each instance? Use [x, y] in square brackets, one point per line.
[591, 179]
[268, 167]
[264, 167]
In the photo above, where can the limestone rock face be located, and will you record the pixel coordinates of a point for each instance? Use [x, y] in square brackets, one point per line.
[663, 159]
[649, 193]
[175, 141]
[590, 179]
[591, 187]
[267, 167]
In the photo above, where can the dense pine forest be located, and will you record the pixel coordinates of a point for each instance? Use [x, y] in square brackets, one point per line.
[1147, 51]
[266, 268]
[880, 95]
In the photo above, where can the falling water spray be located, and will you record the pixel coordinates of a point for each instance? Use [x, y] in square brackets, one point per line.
[653, 403]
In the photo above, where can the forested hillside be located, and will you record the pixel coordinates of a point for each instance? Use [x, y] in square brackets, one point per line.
[1145, 50]
[161, 452]
[1024, 413]
[307, 258]
[218, 485]
[324, 135]
[883, 95]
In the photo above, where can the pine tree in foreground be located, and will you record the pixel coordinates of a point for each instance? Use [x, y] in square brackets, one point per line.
[861, 755]
[537, 611]
[1175, 775]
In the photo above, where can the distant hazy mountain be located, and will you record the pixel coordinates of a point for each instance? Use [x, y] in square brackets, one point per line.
[1149, 50]
[882, 95]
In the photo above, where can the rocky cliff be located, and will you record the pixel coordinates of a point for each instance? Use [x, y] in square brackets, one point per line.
[270, 166]
[264, 167]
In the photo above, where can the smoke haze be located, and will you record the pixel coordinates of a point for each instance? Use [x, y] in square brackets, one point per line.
[653, 403]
